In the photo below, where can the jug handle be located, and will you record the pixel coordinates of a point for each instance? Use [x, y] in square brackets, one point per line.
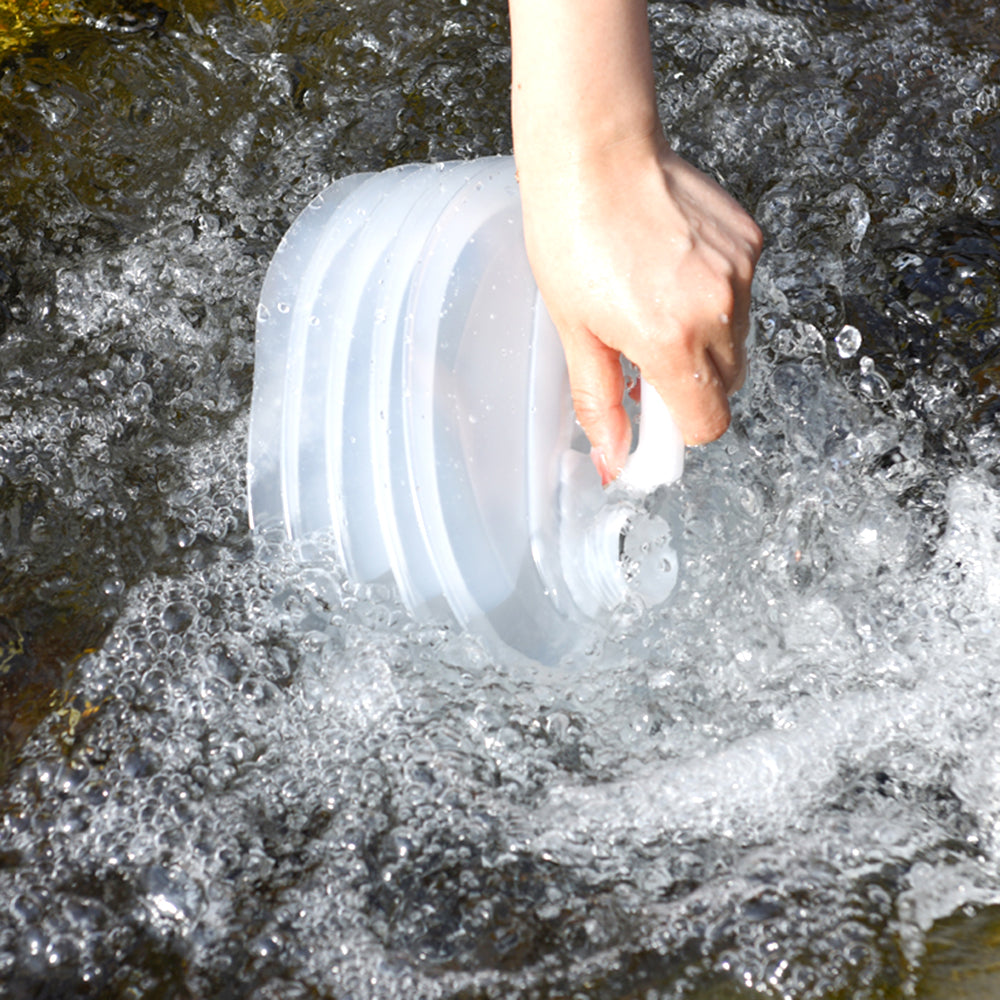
[658, 458]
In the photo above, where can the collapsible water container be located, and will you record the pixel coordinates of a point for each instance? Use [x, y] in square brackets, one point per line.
[411, 401]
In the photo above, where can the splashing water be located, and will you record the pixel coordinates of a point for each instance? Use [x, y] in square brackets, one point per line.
[228, 772]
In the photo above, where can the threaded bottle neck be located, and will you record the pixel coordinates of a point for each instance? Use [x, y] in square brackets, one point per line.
[591, 563]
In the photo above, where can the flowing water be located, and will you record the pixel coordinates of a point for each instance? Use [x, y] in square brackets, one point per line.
[226, 772]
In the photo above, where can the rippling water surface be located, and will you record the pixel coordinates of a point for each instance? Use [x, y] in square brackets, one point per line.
[224, 772]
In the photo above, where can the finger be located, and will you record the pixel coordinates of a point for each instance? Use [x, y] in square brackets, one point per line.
[720, 328]
[735, 376]
[597, 385]
[697, 399]
[743, 288]
[728, 352]
[734, 384]
[725, 332]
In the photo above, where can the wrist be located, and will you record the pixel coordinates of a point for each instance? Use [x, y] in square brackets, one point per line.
[585, 173]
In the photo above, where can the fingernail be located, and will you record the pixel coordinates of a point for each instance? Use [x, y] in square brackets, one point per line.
[600, 460]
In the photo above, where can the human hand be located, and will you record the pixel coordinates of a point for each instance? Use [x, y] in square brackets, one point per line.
[638, 253]
[635, 251]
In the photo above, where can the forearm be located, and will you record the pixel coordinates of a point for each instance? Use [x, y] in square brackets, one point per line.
[582, 79]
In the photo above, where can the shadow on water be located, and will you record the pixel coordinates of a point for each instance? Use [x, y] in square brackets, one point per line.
[230, 776]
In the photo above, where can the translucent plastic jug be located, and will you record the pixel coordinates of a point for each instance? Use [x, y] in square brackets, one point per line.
[411, 399]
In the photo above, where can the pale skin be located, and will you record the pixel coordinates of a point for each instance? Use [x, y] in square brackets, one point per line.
[635, 251]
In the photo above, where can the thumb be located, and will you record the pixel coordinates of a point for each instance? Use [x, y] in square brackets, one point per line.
[597, 385]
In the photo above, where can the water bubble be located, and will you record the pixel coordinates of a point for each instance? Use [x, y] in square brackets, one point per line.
[140, 395]
[848, 341]
[874, 385]
[172, 893]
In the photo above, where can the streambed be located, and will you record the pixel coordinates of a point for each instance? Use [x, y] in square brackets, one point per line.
[228, 772]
